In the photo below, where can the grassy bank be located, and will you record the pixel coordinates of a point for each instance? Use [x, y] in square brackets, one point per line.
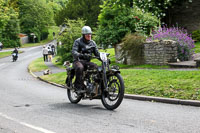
[197, 47]
[161, 83]
[4, 54]
[37, 65]
[8, 53]
[150, 82]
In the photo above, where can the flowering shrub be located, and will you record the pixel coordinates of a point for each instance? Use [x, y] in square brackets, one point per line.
[185, 42]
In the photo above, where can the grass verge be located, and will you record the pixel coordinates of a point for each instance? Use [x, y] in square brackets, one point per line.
[8, 53]
[56, 62]
[4, 54]
[150, 82]
[37, 65]
[58, 78]
[160, 83]
[197, 47]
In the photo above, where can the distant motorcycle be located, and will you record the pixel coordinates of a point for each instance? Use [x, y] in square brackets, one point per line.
[104, 83]
[14, 57]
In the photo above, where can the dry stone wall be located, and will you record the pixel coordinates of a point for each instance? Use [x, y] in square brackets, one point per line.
[155, 53]
[160, 52]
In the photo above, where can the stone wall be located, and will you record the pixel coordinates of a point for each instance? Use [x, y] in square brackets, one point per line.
[155, 53]
[127, 60]
[160, 52]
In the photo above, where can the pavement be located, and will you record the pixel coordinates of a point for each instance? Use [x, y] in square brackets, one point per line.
[55, 69]
[186, 64]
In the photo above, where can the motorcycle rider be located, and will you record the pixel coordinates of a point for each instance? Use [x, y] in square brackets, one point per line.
[15, 54]
[82, 56]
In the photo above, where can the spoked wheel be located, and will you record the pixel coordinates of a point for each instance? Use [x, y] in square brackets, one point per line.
[73, 97]
[113, 98]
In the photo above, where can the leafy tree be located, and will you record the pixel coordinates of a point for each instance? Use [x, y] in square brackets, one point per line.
[71, 33]
[54, 6]
[35, 16]
[4, 17]
[117, 19]
[9, 25]
[14, 4]
[60, 2]
[85, 9]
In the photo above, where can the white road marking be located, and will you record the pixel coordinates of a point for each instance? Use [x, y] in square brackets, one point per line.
[26, 124]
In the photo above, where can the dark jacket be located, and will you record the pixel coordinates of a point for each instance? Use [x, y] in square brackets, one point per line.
[15, 51]
[80, 47]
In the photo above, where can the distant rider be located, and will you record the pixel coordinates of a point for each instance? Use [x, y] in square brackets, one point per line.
[15, 51]
[15, 54]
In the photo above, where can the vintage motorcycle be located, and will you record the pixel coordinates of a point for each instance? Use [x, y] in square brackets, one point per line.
[14, 57]
[104, 83]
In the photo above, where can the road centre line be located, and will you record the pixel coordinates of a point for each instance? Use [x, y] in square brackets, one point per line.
[26, 124]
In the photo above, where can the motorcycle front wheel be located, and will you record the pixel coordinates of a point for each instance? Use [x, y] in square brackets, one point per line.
[73, 97]
[112, 98]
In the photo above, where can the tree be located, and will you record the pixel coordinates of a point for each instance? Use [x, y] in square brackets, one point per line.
[117, 19]
[9, 25]
[4, 17]
[85, 9]
[35, 16]
[60, 2]
[55, 7]
[71, 33]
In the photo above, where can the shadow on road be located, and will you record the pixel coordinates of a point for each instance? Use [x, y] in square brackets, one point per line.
[77, 107]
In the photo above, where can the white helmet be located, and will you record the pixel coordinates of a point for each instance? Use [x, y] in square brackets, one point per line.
[86, 30]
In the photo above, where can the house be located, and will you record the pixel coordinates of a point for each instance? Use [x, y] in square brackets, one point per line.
[23, 38]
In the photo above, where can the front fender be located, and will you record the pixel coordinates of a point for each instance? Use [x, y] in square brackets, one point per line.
[113, 71]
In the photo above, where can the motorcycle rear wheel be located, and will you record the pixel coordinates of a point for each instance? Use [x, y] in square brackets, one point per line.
[113, 98]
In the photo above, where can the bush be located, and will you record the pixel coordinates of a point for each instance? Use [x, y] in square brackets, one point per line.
[115, 21]
[196, 35]
[133, 45]
[185, 42]
[71, 33]
[8, 43]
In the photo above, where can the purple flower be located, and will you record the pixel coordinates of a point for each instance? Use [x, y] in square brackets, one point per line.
[177, 34]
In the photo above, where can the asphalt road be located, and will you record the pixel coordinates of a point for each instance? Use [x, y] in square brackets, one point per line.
[28, 105]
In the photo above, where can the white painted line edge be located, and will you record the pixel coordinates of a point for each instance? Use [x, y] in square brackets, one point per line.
[26, 124]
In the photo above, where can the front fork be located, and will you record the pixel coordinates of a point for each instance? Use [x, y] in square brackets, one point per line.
[105, 81]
